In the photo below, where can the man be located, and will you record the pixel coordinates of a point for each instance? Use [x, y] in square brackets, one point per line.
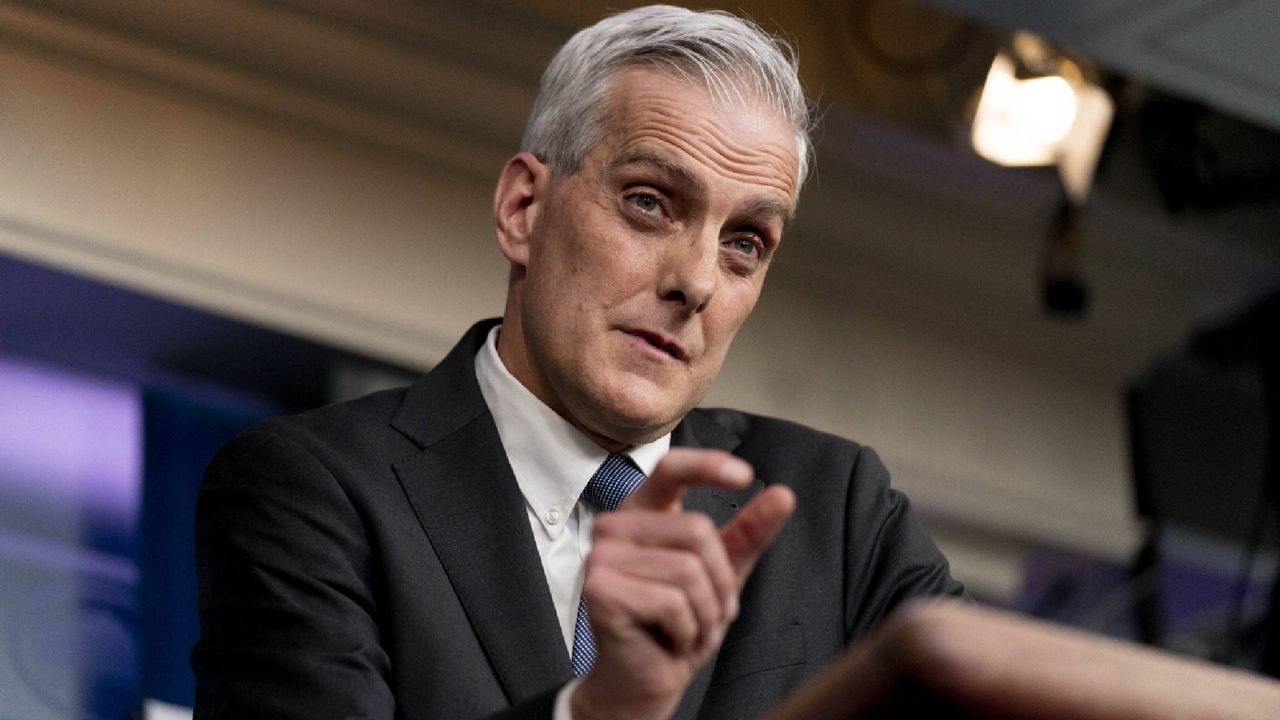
[424, 552]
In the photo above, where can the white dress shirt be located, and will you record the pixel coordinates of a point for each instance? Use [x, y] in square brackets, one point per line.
[552, 461]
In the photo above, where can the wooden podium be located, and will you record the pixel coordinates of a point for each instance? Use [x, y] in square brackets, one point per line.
[951, 660]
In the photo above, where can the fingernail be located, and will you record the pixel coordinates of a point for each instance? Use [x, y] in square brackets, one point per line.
[732, 610]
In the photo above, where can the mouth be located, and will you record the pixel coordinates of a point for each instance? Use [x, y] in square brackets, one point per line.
[660, 342]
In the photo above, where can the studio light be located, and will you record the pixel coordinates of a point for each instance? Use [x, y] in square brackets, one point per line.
[1037, 108]
[1022, 122]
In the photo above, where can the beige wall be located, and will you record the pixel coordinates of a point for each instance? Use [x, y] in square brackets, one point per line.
[233, 212]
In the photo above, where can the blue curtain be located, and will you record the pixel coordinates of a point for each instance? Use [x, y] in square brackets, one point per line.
[181, 433]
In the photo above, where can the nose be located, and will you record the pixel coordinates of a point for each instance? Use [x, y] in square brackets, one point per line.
[692, 269]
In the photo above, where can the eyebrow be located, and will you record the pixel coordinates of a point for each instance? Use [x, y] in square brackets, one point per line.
[771, 208]
[759, 206]
[667, 165]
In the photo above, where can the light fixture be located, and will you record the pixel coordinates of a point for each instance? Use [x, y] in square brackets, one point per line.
[1037, 108]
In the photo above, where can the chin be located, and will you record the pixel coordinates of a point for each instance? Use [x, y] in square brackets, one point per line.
[632, 415]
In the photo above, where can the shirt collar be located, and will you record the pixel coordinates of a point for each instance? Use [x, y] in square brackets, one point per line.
[552, 460]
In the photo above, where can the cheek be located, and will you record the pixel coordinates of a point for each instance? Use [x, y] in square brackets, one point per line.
[738, 302]
[612, 273]
[721, 325]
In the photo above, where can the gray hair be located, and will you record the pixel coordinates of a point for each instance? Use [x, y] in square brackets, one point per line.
[732, 57]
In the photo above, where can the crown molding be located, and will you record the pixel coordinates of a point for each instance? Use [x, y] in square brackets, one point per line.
[389, 76]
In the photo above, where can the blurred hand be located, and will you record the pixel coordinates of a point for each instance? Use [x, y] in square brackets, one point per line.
[662, 584]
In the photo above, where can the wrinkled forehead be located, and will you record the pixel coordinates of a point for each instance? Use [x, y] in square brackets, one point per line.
[740, 137]
[721, 89]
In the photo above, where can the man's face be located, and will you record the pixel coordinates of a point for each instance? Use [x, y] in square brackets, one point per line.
[642, 266]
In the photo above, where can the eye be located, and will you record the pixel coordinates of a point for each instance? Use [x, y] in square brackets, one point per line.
[746, 246]
[647, 202]
[748, 243]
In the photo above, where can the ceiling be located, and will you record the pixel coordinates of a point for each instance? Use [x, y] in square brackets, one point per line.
[1220, 52]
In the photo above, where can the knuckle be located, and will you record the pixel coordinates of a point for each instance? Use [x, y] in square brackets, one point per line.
[592, 587]
[598, 586]
[602, 554]
[688, 569]
[595, 566]
[671, 602]
[606, 525]
[677, 608]
[702, 530]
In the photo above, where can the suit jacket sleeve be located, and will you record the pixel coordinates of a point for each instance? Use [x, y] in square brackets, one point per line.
[890, 558]
[288, 593]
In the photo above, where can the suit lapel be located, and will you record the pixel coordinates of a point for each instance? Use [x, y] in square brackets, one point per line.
[699, 429]
[468, 503]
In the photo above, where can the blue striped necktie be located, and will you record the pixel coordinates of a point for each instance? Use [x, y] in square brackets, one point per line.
[616, 478]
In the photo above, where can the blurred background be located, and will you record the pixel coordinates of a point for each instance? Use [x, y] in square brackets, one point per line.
[1036, 269]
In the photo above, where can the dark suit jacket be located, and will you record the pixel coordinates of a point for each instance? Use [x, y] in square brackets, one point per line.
[374, 559]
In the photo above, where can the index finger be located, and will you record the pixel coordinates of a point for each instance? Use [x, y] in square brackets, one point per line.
[683, 467]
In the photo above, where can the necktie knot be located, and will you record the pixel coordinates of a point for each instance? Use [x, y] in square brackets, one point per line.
[615, 479]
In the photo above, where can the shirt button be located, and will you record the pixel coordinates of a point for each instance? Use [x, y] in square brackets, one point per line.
[553, 516]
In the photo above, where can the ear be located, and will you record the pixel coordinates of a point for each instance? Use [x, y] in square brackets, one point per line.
[517, 202]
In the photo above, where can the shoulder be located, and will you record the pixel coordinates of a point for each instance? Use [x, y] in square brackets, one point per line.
[763, 437]
[350, 433]
[846, 511]
[745, 424]
[339, 419]
[828, 473]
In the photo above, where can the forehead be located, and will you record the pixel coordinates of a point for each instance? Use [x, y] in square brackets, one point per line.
[745, 144]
